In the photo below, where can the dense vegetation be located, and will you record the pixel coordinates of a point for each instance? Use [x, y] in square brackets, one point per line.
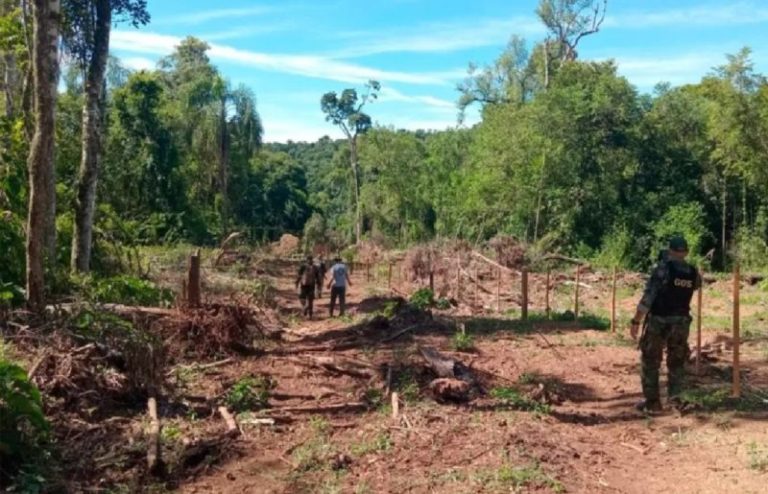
[569, 157]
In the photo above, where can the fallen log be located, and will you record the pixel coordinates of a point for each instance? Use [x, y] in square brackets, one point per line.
[448, 368]
[232, 428]
[200, 367]
[338, 364]
[398, 334]
[447, 389]
[154, 460]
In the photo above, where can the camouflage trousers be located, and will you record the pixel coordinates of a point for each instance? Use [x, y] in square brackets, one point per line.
[660, 332]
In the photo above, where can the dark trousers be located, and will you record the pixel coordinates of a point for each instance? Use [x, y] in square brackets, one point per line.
[339, 292]
[307, 297]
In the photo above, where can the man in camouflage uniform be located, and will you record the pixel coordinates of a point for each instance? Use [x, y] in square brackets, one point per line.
[666, 305]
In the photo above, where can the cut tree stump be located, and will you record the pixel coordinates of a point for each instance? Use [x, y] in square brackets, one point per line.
[448, 368]
[232, 428]
[154, 461]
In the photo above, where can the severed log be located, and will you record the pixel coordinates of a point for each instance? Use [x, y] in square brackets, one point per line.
[119, 309]
[338, 364]
[154, 461]
[446, 367]
[395, 406]
[232, 428]
[193, 281]
[447, 389]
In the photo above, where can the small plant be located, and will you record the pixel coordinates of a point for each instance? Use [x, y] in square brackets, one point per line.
[422, 298]
[758, 457]
[381, 442]
[407, 386]
[23, 427]
[373, 397]
[443, 303]
[462, 341]
[390, 308]
[171, 433]
[249, 394]
[124, 289]
[264, 293]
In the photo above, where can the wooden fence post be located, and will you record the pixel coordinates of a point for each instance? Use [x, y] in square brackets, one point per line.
[576, 292]
[736, 333]
[613, 302]
[524, 304]
[193, 280]
[367, 271]
[547, 308]
[477, 288]
[432, 281]
[389, 276]
[699, 299]
[498, 291]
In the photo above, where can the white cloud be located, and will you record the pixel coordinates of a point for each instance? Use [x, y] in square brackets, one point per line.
[715, 14]
[138, 63]
[646, 72]
[391, 94]
[246, 31]
[210, 15]
[439, 37]
[305, 65]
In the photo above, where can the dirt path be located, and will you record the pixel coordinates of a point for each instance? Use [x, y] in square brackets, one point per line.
[592, 440]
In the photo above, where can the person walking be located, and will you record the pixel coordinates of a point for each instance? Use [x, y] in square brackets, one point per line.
[322, 269]
[306, 282]
[338, 285]
[665, 309]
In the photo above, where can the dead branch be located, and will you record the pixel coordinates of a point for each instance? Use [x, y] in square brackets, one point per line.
[36, 365]
[494, 263]
[338, 364]
[200, 367]
[232, 428]
[338, 407]
[398, 334]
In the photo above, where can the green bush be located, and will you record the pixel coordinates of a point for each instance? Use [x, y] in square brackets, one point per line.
[124, 289]
[686, 219]
[616, 249]
[443, 303]
[423, 298]
[462, 341]
[23, 426]
[249, 393]
[510, 397]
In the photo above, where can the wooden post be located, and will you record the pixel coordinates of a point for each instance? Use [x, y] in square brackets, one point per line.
[547, 308]
[576, 292]
[395, 406]
[524, 302]
[193, 280]
[389, 276]
[736, 332]
[699, 298]
[613, 302]
[477, 289]
[154, 460]
[432, 281]
[458, 278]
[367, 272]
[498, 291]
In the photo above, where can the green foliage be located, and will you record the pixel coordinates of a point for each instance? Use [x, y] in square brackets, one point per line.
[758, 457]
[23, 426]
[462, 341]
[249, 393]
[422, 299]
[381, 442]
[443, 303]
[682, 219]
[124, 289]
[513, 398]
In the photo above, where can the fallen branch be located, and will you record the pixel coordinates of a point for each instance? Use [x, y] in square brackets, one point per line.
[224, 246]
[323, 408]
[232, 428]
[398, 334]
[37, 364]
[640, 450]
[572, 260]
[583, 285]
[154, 461]
[338, 364]
[494, 263]
[201, 367]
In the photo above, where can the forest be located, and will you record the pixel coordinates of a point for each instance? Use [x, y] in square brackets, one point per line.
[101, 164]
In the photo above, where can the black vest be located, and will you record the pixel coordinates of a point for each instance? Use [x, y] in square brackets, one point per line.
[674, 298]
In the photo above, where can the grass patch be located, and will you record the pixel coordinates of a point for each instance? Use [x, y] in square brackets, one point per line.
[249, 393]
[512, 398]
[719, 398]
[758, 457]
[517, 477]
[379, 443]
[564, 320]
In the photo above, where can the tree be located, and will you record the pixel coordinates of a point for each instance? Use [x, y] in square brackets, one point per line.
[45, 66]
[568, 21]
[346, 112]
[87, 25]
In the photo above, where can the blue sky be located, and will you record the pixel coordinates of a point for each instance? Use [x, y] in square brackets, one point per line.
[289, 53]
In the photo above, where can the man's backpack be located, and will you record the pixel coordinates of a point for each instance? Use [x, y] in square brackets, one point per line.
[309, 276]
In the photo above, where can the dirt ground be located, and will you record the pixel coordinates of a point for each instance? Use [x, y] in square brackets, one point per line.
[552, 410]
[591, 441]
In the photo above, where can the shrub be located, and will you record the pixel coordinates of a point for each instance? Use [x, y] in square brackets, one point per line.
[22, 423]
[462, 341]
[249, 393]
[686, 219]
[443, 303]
[124, 289]
[422, 298]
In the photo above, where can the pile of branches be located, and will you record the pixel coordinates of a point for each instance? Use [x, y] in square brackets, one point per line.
[509, 251]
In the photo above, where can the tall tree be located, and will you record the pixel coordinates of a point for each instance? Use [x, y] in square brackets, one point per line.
[346, 112]
[86, 34]
[568, 21]
[45, 66]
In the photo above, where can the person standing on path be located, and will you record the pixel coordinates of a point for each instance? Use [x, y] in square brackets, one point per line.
[665, 307]
[321, 270]
[338, 285]
[306, 282]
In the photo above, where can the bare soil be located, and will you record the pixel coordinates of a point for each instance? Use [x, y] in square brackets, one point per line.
[577, 430]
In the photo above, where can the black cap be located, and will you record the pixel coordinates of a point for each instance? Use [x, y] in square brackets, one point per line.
[678, 243]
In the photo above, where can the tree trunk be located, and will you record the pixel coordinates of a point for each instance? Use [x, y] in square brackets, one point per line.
[93, 107]
[40, 161]
[724, 254]
[356, 178]
[224, 164]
